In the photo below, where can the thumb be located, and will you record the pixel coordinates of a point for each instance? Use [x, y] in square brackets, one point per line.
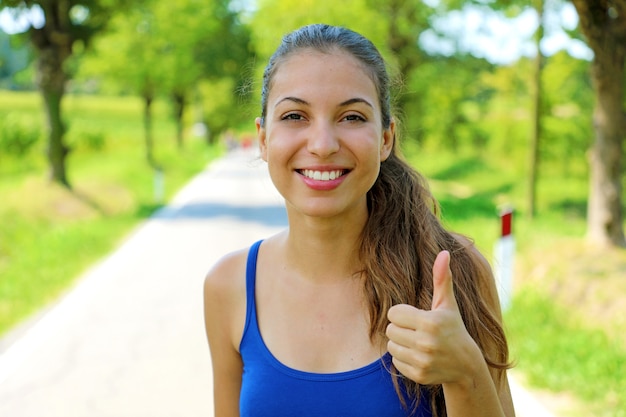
[443, 288]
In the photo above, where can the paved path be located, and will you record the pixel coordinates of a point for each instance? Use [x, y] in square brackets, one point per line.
[128, 341]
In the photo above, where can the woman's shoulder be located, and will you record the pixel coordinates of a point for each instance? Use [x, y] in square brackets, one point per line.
[227, 275]
[485, 277]
[469, 245]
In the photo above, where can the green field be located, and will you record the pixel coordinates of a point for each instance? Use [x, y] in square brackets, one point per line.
[566, 324]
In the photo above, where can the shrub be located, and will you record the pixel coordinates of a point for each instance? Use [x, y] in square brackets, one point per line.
[87, 139]
[17, 137]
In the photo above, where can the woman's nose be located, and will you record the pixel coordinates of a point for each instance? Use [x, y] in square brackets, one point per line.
[323, 140]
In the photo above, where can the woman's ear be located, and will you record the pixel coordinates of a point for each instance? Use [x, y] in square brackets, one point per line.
[261, 138]
[389, 137]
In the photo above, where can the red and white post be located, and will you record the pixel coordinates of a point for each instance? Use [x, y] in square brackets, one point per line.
[504, 254]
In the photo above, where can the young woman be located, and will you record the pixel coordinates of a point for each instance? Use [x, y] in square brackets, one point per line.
[365, 305]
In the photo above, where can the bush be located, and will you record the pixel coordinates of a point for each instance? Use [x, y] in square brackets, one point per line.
[17, 137]
[91, 140]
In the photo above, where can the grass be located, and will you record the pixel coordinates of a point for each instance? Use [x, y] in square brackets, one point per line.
[48, 234]
[567, 324]
[558, 352]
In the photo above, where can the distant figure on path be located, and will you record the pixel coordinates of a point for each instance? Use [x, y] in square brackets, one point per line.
[365, 305]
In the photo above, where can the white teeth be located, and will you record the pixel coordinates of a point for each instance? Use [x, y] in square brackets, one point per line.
[322, 175]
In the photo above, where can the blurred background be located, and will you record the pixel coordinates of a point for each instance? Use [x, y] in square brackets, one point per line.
[107, 108]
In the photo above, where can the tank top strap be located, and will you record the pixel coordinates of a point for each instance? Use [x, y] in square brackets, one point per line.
[251, 270]
[250, 289]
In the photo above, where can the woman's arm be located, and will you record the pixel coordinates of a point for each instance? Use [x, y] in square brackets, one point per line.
[489, 293]
[224, 317]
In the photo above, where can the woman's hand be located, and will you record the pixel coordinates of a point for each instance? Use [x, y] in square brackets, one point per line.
[433, 346]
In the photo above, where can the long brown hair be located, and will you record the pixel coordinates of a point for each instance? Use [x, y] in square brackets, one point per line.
[399, 245]
[403, 234]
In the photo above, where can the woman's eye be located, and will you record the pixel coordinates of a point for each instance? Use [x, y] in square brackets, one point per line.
[354, 118]
[292, 116]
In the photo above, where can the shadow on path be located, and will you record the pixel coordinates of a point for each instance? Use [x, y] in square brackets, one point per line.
[268, 215]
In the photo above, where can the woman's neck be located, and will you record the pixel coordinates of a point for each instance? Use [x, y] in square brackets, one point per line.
[324, 250]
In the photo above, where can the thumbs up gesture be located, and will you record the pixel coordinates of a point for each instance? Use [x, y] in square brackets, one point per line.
[432, 346]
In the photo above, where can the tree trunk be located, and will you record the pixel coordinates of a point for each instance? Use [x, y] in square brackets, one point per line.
[605, 215]
[604, 25]
[179, 113]
[52, 90]
[53, 43]
[147, 124]
[535, 139]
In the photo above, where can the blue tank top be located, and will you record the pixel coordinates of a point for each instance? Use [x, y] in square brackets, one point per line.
[272, 389]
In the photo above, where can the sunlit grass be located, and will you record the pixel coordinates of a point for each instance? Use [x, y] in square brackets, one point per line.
[558, 353]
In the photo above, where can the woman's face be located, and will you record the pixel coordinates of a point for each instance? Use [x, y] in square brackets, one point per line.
[323, 138]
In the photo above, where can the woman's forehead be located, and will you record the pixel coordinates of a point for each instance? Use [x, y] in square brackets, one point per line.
[332, 54]
[309, 70]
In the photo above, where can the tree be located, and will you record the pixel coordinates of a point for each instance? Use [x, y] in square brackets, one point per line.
[66, 24]
[535, 139]
[274, 18]
[166, 49]
[224, 51]
[463, 97]
[406, 21]
[603, 23]
[567, 124]
[130, 57]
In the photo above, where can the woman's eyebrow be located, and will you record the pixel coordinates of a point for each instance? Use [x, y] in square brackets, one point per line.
[294, 99]
[355, 100]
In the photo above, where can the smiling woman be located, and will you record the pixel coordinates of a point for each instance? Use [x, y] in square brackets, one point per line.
[365, 305]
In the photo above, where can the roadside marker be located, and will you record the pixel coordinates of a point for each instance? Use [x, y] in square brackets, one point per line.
[504, 254]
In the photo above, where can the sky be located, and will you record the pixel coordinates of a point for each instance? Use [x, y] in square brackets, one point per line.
[12, 23]
[484, 33]
[479, 31]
